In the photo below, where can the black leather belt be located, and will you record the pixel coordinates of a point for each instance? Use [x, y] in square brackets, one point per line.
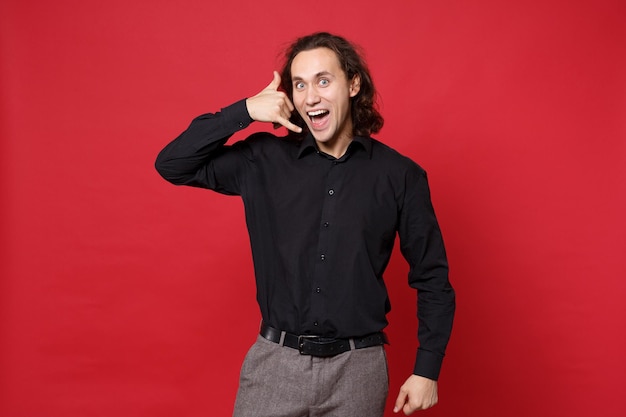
[321, 346]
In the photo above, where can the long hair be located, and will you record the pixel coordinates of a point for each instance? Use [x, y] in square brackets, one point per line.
[365, 117]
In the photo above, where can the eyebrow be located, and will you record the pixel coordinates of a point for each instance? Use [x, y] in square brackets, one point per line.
[318, 75]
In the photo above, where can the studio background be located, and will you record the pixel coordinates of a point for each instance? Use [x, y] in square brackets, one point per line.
[114, 284]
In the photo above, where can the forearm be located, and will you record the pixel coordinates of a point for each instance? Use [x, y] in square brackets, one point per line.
[435, 305]
[180, 161]
[435, 317]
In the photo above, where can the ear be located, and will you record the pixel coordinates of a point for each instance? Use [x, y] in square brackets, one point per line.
[355, 85]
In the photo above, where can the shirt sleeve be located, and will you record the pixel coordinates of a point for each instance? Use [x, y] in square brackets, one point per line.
[199, 156]
[422, 246]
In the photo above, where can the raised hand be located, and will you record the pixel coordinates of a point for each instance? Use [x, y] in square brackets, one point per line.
[271, 105]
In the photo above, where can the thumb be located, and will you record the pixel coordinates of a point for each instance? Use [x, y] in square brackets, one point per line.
[275, 82]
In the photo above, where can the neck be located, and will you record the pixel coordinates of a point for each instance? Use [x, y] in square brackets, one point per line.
[336, 148]
[338, 145]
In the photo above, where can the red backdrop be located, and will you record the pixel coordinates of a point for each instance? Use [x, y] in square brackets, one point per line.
[112, 278]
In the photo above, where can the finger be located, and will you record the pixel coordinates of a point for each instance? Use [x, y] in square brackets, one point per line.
[400, 401]
[289, 125]
[283, 102]
[289, 104]
[275, 82]
[285, 113]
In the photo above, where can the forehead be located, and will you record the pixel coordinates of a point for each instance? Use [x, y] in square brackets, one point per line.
[309, 63]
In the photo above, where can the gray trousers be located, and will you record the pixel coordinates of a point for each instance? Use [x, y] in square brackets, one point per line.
[278, 381]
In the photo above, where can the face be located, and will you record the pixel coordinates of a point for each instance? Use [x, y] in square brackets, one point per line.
[321, 94]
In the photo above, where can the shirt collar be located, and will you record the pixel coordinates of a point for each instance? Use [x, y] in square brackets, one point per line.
[308, 144]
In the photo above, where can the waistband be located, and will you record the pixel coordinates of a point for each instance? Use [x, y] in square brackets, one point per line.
[321, 346]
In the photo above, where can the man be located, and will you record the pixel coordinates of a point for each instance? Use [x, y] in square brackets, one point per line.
[323, 207]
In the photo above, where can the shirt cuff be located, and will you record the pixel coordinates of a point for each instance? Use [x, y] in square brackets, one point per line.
[236, 115]
[427, 364]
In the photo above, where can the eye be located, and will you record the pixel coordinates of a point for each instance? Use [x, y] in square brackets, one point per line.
[299, 85]
[324, 82]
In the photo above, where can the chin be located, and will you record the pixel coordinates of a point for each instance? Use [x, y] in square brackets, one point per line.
[322, 136]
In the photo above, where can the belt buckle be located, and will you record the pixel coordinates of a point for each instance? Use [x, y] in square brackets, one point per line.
[301, 342]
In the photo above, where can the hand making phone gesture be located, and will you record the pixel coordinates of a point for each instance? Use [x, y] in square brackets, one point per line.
[271, 105]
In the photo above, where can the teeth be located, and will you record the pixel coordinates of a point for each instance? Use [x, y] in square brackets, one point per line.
[316, 113]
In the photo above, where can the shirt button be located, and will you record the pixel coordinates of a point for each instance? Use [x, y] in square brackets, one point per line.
[325, 224]
[331, 191]
[315, 323]
[323, 257]
[318, 290]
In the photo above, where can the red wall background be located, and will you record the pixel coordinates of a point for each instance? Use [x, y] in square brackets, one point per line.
[115, 283]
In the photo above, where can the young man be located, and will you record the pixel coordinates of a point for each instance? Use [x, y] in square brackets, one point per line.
[323, 207]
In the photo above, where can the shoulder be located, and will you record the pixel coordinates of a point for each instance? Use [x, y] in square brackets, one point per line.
[266, 144]
[393, 159]
[263, 137]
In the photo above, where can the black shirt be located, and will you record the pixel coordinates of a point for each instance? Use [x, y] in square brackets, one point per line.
[322, 229]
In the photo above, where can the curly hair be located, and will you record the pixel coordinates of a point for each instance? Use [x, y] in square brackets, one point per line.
[365, 117]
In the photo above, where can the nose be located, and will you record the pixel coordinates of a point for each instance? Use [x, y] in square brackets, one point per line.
[312, 97]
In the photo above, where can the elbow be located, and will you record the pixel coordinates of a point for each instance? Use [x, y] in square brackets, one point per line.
[166, 169]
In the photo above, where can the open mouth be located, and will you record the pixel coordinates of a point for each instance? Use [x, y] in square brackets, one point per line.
[318, 117]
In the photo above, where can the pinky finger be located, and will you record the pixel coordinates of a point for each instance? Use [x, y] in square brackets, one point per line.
[289, 125]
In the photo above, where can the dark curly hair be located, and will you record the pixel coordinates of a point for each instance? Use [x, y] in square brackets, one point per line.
[365, 117]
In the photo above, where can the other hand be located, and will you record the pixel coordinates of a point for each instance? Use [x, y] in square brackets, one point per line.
[271, 105]
[417, 393]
